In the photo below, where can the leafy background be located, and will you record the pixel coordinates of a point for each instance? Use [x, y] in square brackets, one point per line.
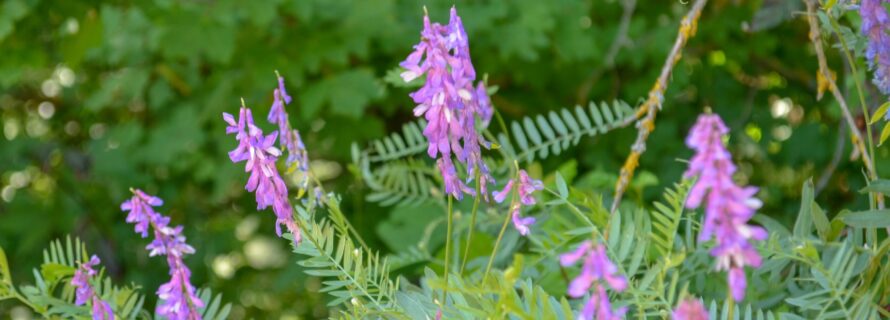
[97, 97]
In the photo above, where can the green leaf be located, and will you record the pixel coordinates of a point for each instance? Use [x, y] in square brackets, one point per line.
[347, 93]
[868, 219]
[885, 133]
[561, 186]
[879, 114]
[879, 186]
[803, 225]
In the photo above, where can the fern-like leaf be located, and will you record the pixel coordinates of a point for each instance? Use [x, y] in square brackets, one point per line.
[349, 272]
[543, 135]
[722, 311]
[666, 219]
[397, 171]
[405, 181]
[213, 308]
[498, 298]
[831, 296]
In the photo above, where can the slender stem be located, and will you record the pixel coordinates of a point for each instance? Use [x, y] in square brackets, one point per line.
[495, 250]
[501, 122]
[25, 301]
[349, 226]
[656, 97]
[862, 103]
[470, 229]
[825, 73]
[618, 42]
[574, 209]
[448, 250]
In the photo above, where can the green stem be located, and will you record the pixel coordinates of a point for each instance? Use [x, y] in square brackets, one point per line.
[21, 298]
[574, 209]
[336, 210]
[448, 251]
[495, 250]
[501, 122]
[470, 229]
[855, 70]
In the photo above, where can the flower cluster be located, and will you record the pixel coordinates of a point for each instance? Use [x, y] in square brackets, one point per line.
[595, 270]
[729, 206]
[525, 188]
[84, 291]
[289, 137]
[178, 299]
[691, 309]
[875, 25]
[260, 154]
[450, 103]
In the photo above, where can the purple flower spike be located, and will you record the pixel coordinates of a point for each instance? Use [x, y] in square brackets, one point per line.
[290, 138]
[84, 291]
[449, 101]
[261, 155]
[729, 207]
[596, 270]
[875, 25]
[177, 297]
[691, 309]
[524, 188]
[284, 95]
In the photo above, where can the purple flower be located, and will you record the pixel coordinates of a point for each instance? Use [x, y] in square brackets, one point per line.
[177, 297]
[500, 196]
[729, 207]
[281, 89]
[527, 186]
[453, 184]
[522, 224]
[290, 138]
[141, 213]
[596, 271]
[84, 291]
[524, 188]
[691, 309]
[261, 155]
[875, 25]
[449, 102]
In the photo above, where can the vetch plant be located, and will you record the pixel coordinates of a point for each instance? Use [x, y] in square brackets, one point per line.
[84, 292]
[596, 271]
[178, 299]
[573, 252]
[728, 206]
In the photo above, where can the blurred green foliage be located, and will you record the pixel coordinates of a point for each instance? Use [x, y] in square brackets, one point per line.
[97, 97]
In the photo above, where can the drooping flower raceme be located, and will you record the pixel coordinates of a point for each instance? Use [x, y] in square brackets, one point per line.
[596, 270]
[691, 309]
[290, 139]
[875, 26]
[450, 103]
[260, 154]
[729, 207]
[525, 187]
[84, 291]
[177, 297]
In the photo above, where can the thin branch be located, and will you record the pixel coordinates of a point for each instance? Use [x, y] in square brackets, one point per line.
[826, 80]
[609, 61]
[656, 97]
[835, 159]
